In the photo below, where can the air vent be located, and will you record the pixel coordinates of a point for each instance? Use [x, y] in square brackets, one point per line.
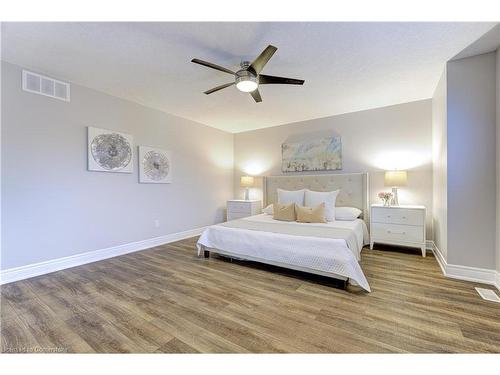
[488, 294]
[38, 84]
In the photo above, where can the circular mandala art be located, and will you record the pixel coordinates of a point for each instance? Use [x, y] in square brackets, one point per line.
[111, 151]
[156, 165]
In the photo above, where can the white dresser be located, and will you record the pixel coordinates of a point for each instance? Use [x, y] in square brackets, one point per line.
[398, 225]
[238, 208]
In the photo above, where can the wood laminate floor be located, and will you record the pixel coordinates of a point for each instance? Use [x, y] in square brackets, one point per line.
[167, 300]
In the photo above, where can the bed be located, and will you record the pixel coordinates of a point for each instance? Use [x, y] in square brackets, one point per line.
[330, 249]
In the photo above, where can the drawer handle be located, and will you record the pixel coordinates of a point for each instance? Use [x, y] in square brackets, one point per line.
[391, 232]
[404, 217]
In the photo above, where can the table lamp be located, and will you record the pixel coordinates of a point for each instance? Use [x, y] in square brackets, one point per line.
[247, 182]
[395, 179]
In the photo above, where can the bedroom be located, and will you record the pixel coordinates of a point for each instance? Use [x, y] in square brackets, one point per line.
[340, 193]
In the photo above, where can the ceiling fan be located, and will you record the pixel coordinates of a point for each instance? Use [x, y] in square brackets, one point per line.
[248, 78]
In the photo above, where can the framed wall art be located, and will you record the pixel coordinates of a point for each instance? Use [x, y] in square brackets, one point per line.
[155, 165]
[109, 151]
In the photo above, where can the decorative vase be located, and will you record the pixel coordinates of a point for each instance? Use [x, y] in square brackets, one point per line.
[387, 202]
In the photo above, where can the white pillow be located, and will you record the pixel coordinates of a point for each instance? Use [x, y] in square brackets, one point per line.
[291, 196]
[269, 210]
[314, 198]
[347, 213]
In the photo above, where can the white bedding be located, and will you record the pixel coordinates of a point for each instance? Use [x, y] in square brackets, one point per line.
[358, 226]
[329, 255]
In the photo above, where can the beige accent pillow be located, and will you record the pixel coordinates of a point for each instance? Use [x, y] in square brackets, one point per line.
[311, 214]
[284, 212]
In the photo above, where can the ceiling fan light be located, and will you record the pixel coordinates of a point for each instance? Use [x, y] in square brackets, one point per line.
[247, 85]
[246, 81]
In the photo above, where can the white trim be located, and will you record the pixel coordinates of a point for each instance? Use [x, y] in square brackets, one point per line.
[42, 268]
[479, 275]
[438, 255]
[497, 280]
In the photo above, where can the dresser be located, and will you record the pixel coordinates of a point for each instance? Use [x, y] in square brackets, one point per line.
[238, 208]
[398, 225]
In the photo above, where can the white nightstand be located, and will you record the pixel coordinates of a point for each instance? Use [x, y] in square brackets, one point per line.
[238, 208]
[398, 225]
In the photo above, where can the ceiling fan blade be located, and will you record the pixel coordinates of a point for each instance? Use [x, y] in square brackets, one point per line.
[219, 88]
[213, 66]
[267, 80]
[258, 64]
[256, 95]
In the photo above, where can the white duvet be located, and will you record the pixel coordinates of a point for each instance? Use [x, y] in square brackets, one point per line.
[330, 255]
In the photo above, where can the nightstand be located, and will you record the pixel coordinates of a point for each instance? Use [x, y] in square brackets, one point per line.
[238, 208]
[398, 225]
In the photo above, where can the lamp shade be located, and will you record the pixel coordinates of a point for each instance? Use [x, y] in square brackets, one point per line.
[395, 178]
[246, 181]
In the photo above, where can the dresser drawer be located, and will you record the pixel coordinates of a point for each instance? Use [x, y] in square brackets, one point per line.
[239, 207]
[397, 233]
[398, 216]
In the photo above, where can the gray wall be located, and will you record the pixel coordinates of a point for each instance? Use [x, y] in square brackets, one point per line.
[498, 158]
[372, 140]
[53, 207]
[439, 159]
[471, 164]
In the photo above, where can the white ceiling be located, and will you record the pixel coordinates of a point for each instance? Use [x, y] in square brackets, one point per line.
[347, 66]
[488, 42]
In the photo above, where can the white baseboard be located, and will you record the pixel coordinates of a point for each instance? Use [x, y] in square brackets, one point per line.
[438, 255]
[37, 269]
[479, 275]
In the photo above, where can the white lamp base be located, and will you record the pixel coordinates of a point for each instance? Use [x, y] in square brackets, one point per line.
[394, 200]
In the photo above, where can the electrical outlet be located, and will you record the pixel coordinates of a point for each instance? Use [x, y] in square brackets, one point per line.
[157, 223]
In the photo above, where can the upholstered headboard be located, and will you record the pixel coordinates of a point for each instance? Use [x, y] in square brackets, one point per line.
[353, 188]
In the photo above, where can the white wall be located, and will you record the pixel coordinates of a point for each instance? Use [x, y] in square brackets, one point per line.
[439, 168]
[471, 164]
[372, 140]
[53, 207]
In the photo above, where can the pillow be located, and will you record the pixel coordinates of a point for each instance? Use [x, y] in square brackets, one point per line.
[313, 198]
[311, 214]
[269, 209]
[291, 196]
[284, 212]
[347, 213]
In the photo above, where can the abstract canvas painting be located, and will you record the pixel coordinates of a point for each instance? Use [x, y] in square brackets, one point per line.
[155, 165]
[109, 151]
[321, 154]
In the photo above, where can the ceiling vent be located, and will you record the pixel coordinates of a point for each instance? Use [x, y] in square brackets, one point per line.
[38, 84]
